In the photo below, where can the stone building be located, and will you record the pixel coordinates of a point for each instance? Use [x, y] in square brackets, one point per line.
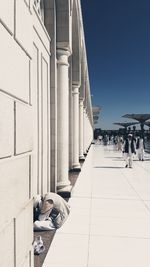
[46, 122]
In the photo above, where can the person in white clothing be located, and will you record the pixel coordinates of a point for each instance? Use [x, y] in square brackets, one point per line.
[129, 150]
[140, 146]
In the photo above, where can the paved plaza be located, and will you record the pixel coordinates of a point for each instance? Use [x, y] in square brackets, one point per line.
[109, 223]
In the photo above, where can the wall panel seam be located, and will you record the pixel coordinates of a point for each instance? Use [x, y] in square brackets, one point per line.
[47, 50]
[42, 24]
[6, 27]
[21, 46]
[15, 128]
[17, 99]
[42, 123]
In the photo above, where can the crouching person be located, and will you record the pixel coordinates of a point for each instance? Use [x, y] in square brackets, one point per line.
[50, 212]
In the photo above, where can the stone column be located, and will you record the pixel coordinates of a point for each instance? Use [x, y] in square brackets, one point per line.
[70, 116]
[89, 137]
[63, 117]
[81, 150]
[84, 132]
[50, 23]
[75, 93]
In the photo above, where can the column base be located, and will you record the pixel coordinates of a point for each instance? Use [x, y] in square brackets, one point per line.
[61, 185]
[75, 170]
[65, 192]
[81, 158]
[76, 167]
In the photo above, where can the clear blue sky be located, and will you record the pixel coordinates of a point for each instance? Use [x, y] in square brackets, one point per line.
[117, 34]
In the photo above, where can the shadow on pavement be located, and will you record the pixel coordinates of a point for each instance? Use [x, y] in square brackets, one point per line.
[108, 167]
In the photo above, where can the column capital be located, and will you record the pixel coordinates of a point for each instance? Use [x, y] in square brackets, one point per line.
[76, 84]
[84, 109]
[81, 99]
[75, 89]
[62, 56]
[81, 102]
[63, 52]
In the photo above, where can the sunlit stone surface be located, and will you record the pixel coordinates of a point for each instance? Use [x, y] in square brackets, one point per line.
[44, 72]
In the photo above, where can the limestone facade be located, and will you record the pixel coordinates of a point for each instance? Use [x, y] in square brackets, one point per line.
[46, 123]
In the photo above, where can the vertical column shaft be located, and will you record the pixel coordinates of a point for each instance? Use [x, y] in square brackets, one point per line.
[84, 132]
[76, 164]
[81, 150]
[50, 23]
[63, 117]
[70, 116]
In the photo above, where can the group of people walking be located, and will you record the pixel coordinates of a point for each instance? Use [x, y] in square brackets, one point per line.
[129, 146]
[132, 146]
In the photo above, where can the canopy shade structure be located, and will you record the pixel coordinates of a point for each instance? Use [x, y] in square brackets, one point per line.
[141, 118]
[125, 124]
[96, 111]
[147, 123]
[95, 117]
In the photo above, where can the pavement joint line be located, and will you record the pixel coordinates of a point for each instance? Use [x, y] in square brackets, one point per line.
[121, 217]
[140, 198]
[127, 199]
[70, 233]
[121, 237]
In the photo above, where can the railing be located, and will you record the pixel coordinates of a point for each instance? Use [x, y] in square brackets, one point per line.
[39, 5]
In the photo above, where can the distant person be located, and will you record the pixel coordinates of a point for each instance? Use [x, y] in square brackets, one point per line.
[115, 140]
[129, 150]
[100, 139]
[120, 143]
[105, 140]
[112, 139]
[140, 146]
[109, 139]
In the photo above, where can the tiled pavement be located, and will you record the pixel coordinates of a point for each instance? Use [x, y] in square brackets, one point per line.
[109, 223]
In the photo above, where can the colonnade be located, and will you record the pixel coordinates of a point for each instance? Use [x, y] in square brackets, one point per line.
[73, 118]
[80, 129]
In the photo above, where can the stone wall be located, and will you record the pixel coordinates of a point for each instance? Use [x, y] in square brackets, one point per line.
[24, 124]
[40, 117]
